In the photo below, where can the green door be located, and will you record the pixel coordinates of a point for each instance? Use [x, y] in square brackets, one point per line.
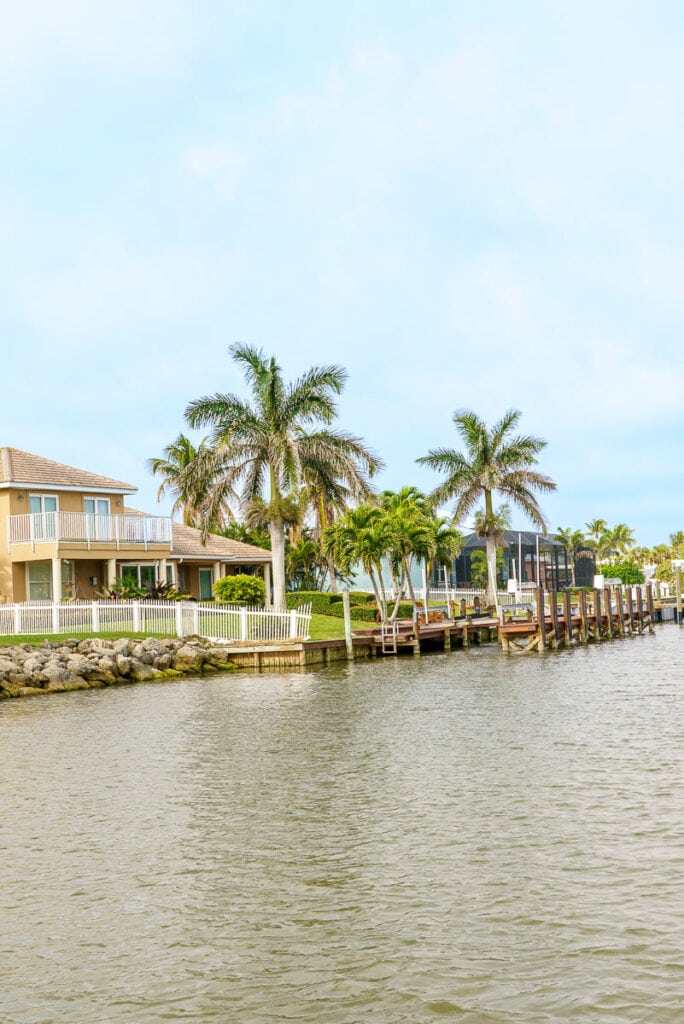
[206, 592]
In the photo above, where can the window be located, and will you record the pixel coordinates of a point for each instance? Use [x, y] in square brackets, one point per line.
[140, 574]
[43, 509]
[98, 524]
[169, 573]
[39, 581]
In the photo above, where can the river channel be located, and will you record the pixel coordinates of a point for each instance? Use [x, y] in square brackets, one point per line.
[466, 836]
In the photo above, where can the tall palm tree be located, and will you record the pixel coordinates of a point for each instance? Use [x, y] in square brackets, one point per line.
[188, 472]
[268, 439]
[495, 460]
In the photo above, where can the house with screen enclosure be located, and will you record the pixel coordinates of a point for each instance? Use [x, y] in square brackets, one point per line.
[68, 533]
[532, 559]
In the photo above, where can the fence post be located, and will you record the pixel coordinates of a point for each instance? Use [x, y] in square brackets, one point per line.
[136, 617]
[293, 624]
[96, 617]
[55, 617]
[179, 618]
[195, 620]
[17, 619]
[243, 624]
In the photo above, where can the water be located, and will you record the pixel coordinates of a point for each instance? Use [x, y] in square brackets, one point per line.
[460, 837]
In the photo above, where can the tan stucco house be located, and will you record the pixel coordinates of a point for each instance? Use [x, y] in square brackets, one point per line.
[68, 533]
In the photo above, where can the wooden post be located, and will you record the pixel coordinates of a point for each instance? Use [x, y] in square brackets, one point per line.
[640, 610]
[678, 592]
[609, 610]
[553, 608]
[620, 610]
[541, 618]
[567, 614]
[597, 612]
[630, 610]
[348, 641]
[464, 634]
[651, 612]
[583, 616]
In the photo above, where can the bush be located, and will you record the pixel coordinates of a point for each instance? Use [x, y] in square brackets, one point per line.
[321, 602]
[361, 597]
[359, 612]
[627, 572]
[240, 589]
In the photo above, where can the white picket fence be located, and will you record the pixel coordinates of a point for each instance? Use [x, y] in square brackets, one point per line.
[155, 618]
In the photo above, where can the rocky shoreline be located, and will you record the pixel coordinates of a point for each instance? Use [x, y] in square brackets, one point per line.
[74, 664]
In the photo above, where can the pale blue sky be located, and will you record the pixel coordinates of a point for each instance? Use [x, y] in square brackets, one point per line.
[465, 204]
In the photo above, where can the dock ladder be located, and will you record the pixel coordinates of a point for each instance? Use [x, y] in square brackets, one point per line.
[388, 636]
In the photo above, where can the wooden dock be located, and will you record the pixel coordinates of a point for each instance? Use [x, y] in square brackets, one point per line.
[579, 618]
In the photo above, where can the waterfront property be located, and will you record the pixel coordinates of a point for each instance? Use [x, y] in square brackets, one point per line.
[530, 558]
[69, 533]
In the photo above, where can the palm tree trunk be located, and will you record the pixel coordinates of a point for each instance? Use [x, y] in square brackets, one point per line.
[492, 596]
[277, 531]
[380, 601]
[332, 582]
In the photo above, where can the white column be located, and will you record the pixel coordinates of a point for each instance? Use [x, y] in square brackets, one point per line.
[111, 571]
[267, 581]
[162, 570]
[216, 572]
[56, 579]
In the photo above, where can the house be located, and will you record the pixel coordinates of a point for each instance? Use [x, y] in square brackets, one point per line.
[68, 533]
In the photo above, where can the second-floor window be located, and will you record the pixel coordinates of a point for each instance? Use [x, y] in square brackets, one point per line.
[99, 525]
[43, 509]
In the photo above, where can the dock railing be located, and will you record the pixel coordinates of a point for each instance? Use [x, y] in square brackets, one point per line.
[223, 623]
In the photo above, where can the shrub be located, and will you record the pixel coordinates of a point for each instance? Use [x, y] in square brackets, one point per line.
[361, 597]
[240, 589]
[321, 602]
[627, 572]
[359, 612]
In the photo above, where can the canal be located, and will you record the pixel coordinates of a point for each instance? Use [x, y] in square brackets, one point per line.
[467, 837]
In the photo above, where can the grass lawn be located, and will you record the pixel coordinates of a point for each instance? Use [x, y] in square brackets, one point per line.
[327, 627]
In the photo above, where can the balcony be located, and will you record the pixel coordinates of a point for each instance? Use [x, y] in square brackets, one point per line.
[90, 530]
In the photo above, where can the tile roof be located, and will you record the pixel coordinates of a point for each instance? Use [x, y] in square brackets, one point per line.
[17, 467]
[187, 544]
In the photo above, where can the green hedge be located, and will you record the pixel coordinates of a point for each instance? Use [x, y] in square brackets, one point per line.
[359, 612]
[363, 610]
[321, 603]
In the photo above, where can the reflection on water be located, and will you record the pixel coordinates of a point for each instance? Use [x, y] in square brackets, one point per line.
[466, 836]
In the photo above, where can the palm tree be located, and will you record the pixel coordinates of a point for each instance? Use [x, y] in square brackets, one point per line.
[268, 440]
[495, 460]
[362, 536]
[622, 539]
[573, 541]
[188, 472]
[446, 542]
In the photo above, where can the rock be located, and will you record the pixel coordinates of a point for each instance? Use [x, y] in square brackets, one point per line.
[79, 665]
[189, 659]
[141, 672]
[7, 665]
[55, 673]
[123, 646]
[107, 665]
[123, 665]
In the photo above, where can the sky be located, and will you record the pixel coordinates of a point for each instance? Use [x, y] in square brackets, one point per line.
[466, 205]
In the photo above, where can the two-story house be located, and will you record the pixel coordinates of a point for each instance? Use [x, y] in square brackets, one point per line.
[68, 533]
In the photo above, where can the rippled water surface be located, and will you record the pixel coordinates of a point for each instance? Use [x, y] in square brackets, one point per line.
[469, 836]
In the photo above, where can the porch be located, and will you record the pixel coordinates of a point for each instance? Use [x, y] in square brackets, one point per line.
[86, 531]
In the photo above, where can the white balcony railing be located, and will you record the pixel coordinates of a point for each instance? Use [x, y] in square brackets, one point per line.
[88, 528]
